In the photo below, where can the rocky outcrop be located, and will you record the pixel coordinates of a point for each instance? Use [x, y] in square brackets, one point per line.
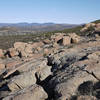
[33, 92]
[86, 98]
[91, 29]
[74, 67]
[63, 67]
[97, 28]
[20, 74]
[87, 26]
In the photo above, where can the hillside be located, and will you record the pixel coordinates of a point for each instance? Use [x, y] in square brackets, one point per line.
[31, 28]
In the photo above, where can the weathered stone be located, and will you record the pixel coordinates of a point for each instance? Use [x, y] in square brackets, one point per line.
[55, 45]
[57, 37]
[67, 84]
[72, 66]
[66, 40]
[29, 70]
[94, 55]
[2, 66]
[46, 41]
[46, 51]
[24, 54]
[13, 52]
[74, 38]
[28, 48]
[87, 26]
[97, 28]
[39, 49]
[21, 81]
[33, 92]
[20, 45]
[12, 64]
[37, 44]
[44, 73]
[86, 98]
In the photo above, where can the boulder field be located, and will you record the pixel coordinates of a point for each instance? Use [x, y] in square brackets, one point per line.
[64, 67]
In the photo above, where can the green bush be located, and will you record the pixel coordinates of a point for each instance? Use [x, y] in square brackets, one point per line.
[97, 21]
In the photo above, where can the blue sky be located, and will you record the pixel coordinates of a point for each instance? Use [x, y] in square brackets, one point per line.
[58, 11]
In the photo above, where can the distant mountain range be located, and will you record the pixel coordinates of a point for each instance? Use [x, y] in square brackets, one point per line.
[39, 27]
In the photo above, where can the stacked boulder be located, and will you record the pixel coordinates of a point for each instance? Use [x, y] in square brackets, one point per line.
[46, 46]
[63, 39]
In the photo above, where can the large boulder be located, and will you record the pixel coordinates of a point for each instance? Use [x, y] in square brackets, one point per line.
[57, 36]
[31, 71]
[33, 92]
[44, 73]
[20, 45]
[13, 52]
[74, 38]
[21, 81]
[29, 49]
[66, 40]
[39, 66]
